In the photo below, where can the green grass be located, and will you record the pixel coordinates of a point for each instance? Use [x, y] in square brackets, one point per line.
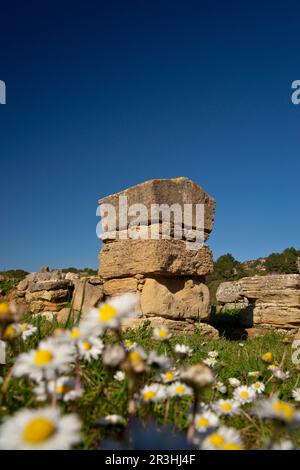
[103, 395]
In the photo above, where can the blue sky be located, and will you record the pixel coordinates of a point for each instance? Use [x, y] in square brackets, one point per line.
[102, 95]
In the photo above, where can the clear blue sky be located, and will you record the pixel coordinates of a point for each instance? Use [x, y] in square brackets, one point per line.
[102, 95]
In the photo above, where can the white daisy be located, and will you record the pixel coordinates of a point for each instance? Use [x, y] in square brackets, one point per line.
[27, 330]
[183, 350]
[296, 394]
[49, 359]
[119, 376]
[179, 389]
[41, 429]
[223, 438]
[137, 359]
[153, 393]
[272, 367]
[160, 362]
[244, 394]
[234, 382]
[65, 388]
[258, 387]
[113, 355]
[254, 373]
[129, 344]
[226, 407]
[110, 314]
[90, 348]
[273, 408]
[210, 361]
[161, 333]
[205, 421]
[169, 376]
[212, 354]
[220, 387]
[281, 375]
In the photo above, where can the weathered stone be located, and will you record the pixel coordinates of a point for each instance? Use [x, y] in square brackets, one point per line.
[71, 276]
[86, 296]
[49, 295]
[37, 306]
[63, 314]
[115, 287]
[2, 278]
[168, 257]
[272, 299]
[23, 285]
[177, 327]
[95, 280]
[49, 285]
[175, 298]
[44, 269]
[164, 191]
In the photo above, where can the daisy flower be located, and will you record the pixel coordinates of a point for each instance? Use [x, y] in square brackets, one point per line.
[110, 314]
[273, 408]
[223, 438]
[182, 350]
[90, 348]
[137, 359]
[169, 376]
[272, 367]
[280, 374]
[49, 359]
[296, 394]
[197, 376]
[41, 429]
[27, 330]
[161, 333]
[268, 357]
[119, 376]
[113, 355]
[213, 354]
[258, 387]
[160, 362]
[226, 407]
[220, 387]
[244, 394]
[210, 361]
[254, 373]
[12, 331]
[65, 388]
[153, 393]
[234, 382]
[179, 389]
[206, 421]
[129, 344]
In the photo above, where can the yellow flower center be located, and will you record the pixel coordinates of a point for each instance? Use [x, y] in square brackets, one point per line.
[4, 308]
[284, 409]
[43, 357]
[87, 346]
[128, 343]
[106, 313]
[180, 389]
[203, 422]
[244, 394]
[257, 385]
[169, 375]
[231, 446]
[162, 333]
[149, 395]
[24, 327]
[62, 388]
[226, 407]
[135, 357]
[75, 333]
[38, 430]
[216, 440]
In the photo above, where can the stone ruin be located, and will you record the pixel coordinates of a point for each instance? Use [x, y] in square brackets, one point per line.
[167, 277]
[264, 301]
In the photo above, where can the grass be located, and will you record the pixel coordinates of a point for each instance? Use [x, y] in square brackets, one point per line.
[104, 395]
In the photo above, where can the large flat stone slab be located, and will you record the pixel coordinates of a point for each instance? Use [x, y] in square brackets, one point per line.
[125, 258]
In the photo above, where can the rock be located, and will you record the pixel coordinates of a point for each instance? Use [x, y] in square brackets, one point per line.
[58, 295]
[177, 327]
[63, 314]
[272, 300]
[2, 278]
[86, 296]
[178, 298]
[23, 285]
[164, 191]
[95, 280]
[50, 285]
[115, 287]
[44, 269]
[37, 306]
[72, 276]
[169, 257]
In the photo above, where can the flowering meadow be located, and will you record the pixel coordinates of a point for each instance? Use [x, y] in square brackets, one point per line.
[86, 384]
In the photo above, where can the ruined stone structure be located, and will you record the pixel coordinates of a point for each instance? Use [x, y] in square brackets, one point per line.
[272, 300]
[168, 277]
